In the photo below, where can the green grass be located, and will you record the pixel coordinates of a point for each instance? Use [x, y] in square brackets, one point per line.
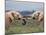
[31, 26]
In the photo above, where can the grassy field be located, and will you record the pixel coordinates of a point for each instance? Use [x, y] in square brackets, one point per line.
[32, 26]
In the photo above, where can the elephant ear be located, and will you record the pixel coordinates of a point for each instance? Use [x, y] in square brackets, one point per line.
[38, 14]
[10, 20]
[12, 14]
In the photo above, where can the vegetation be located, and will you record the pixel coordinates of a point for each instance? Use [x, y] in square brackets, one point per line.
[32, 26]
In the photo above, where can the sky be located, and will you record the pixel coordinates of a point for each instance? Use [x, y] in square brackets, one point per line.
[22, 6]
